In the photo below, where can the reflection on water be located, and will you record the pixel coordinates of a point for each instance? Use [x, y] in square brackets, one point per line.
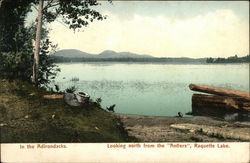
[149, 89]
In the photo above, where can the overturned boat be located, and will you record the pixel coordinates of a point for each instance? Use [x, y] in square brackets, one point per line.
[76, 99]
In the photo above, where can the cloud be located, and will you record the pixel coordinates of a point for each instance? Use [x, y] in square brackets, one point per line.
[220, 33]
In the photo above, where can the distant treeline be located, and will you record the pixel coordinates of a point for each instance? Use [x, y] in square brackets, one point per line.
[173, 60]
[232, 59]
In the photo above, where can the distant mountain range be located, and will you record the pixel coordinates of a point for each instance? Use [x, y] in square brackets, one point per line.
[73, 53]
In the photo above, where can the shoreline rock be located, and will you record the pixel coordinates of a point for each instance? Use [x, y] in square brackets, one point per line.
[168, 129]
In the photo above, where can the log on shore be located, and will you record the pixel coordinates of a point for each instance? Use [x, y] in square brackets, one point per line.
[219, 106]
[220, 91]
[55, 96]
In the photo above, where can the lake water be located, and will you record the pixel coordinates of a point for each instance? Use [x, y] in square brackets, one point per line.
[150, 89]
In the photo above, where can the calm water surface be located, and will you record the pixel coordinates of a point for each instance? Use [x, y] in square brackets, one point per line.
[150, 89]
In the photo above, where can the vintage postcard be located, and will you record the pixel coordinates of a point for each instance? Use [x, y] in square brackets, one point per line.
[124, 81]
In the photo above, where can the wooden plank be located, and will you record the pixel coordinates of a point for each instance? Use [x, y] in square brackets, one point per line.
[220, 91]
[54, 96]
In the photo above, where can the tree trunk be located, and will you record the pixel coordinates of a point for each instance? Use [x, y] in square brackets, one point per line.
[219, 106]
[220, 91]
[37, 43]
[1, 1]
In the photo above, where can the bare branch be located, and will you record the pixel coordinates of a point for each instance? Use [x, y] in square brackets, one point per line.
[48, 4]
[62, 24]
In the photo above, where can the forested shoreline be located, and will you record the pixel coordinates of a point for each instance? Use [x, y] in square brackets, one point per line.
[60, 59]
[232, 59]
[245, 59]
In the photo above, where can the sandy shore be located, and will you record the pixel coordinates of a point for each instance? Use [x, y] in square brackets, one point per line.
[193, 129]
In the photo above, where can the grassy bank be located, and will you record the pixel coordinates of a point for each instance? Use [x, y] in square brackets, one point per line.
[25, 116]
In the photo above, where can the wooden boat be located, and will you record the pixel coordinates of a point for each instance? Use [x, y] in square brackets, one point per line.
[76, 99]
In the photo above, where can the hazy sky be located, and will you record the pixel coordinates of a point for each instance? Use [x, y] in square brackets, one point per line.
[163, 29]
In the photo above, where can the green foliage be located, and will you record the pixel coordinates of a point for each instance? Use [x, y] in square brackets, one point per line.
[16, 45]
[12, 31]
[210, 60]
[57, 88]
[75, 79]
[47, 69]
[71, 89]
[16, 65]
[76, 14]
[98, 101]
[16, 40]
